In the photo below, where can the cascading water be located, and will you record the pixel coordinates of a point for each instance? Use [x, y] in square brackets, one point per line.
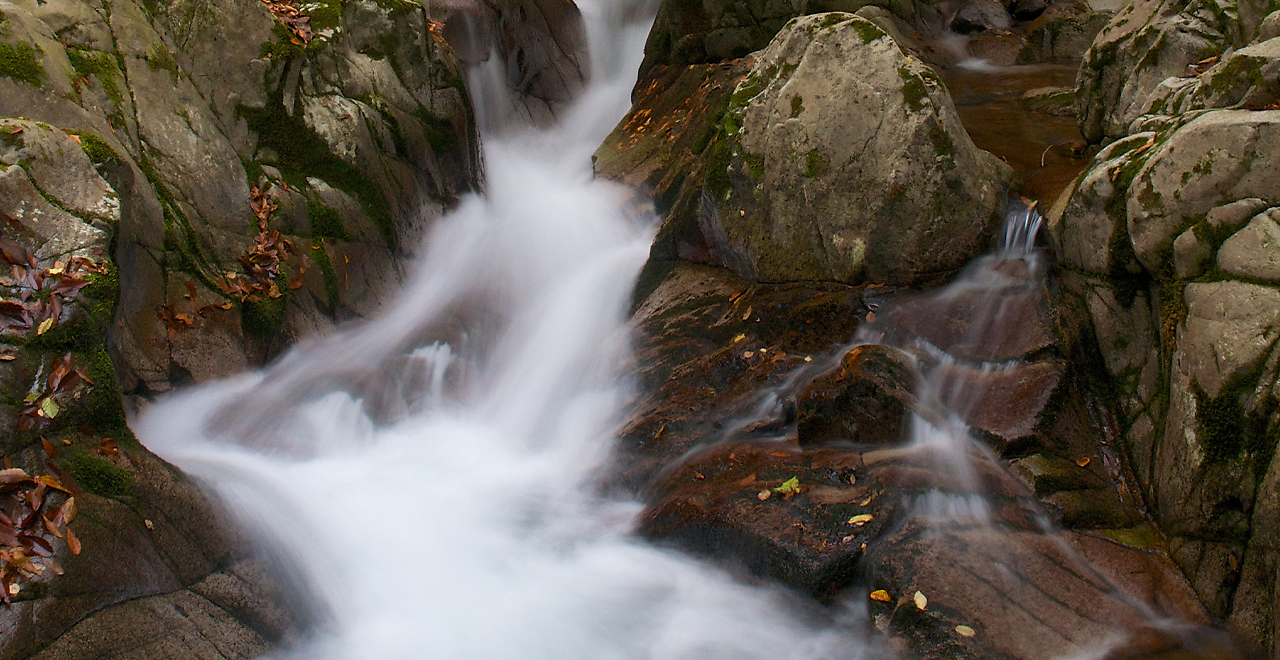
[462, 519]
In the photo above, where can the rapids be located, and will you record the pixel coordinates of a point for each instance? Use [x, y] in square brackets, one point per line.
[466, 523]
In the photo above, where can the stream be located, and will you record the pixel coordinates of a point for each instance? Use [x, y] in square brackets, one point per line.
[432, 479]
[469, 526]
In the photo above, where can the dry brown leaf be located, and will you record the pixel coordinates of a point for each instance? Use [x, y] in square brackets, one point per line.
[1083, 461]
[72, 542]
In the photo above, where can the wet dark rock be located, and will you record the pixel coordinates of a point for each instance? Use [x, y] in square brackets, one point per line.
[980, 15]
[1024, 594]
[1026, 10]
[997, 47]
[541, 44]
[865, 400]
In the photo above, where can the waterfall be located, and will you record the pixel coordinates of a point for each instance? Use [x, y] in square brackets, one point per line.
[436, 490]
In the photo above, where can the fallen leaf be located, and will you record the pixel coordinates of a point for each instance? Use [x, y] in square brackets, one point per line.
[861, 519]
[748, 480]
[148, 523]
[49, 448]
[789, 487]
[73, 542]
[853, 480]
[879, 595]
[49, 407]
[1083, 461]
[45, 326]
[921, 602]
[763, 495]
[871, 317]
[965, 631]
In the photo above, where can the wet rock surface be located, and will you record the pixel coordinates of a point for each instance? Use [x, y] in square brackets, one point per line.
[802, 471]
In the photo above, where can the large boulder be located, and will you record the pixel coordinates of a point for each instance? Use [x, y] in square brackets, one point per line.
[843, 159]
[1167, 242]
[355, 132]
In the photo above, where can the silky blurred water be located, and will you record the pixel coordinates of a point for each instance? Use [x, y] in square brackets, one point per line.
[464, 521]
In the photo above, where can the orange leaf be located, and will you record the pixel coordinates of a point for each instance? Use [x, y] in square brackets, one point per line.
[73, 542]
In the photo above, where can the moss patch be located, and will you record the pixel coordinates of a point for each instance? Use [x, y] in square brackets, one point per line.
[797, 106]
[19, 62]
[99, 65]
[159, 58]
[325, 221]
[815, 164]
[303, 153]
[98, 476]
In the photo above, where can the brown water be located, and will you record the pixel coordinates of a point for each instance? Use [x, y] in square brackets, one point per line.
[1038, 146]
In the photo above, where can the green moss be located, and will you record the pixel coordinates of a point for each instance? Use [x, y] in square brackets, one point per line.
[325, 15]
[264, 318]
[815, 164]
[914, 91]
[100, 65]
[1220, 423]
[321, 257]
[943, 146]
[717, 179]
[325, 221]
[159, 58]
[755, 165]
[868, 31]
[98, 476]
[98, 151]
[19, 62]
[303, 153]
[797, 106]
[833, 19]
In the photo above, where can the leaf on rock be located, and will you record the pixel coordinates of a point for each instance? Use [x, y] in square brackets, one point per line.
[879, 595]
[1083, 461]
[73, 542]
[921, 602]
[965, 631]
[861, 519]
[789, 487]
[45, 326]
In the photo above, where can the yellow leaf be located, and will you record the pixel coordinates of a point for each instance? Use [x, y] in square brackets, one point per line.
[49, 407]
[738, 338]
[861, 519]
[790, 486]
[965, 631]
[922, 603]
[45, 325]
[880, 595]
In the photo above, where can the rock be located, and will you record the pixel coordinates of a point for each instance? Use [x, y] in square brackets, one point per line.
[1251, 253]
[980, 15]
[999, 48]
[1205, 161]
[1190, 255]
[865, 400]
[718, 30]
[1027, 10]
[1056, 101]
[541, 46]
[1249, 78]
[1270, 27]
[806, 163]
[181, 118]
[147, 533]
[1063, 33]
[1146, 43]
[959, 571]
[1232, 216]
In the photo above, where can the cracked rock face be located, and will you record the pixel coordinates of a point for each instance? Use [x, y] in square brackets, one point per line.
[358, 139]
[1169, 238]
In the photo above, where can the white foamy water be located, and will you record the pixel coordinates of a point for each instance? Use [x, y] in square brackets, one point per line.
[463, 521]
